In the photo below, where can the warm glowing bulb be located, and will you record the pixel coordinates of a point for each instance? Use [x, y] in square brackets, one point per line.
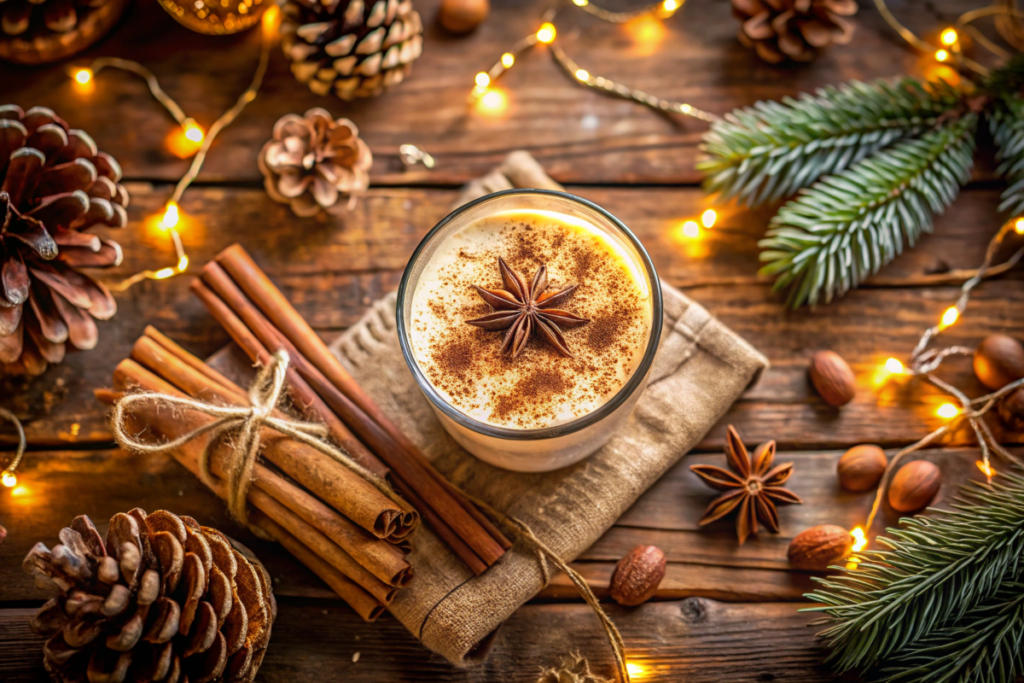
[950, 316]
[163, 273]
[987, 469]
[182, 263]
[860, 540]
[708, 218]
[9, 479]
[83, 76]
[893, 366]
[670, 5]
[193, 132]
[947, 411]
[493, 101]
[635, 670]
[582, 74]
[581, 3]
[1018, 227]
[546, 32]
[508, 59]
[482, 80]
[691, 230]
[941, 55]
[270, 19]
[171, 216]
[948, 36]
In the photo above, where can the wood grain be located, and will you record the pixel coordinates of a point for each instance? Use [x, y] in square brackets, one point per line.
[332, 270]
[580, 136]
[694, 640]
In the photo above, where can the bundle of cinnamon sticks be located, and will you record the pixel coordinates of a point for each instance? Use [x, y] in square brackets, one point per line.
[331, 519]
[262, 321]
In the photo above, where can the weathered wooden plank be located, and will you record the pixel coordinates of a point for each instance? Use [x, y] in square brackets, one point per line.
[695, 640]
[332, 269]
[579, 135]
[57, 486]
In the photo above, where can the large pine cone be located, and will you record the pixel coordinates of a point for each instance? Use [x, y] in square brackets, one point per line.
[162, 599]
[793, 29]
[39, 31]
[356, 48]
[313, 162]
[55, 187]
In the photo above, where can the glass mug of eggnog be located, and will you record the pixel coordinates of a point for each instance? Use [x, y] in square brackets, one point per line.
[530, 320]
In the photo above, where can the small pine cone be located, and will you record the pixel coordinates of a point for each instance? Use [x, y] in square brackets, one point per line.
[793, 29]
[40, 31]
[55, 186]
[354, 48]
[314, 161]
[161, 599]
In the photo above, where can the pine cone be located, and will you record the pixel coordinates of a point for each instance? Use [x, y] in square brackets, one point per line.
[313, 161]
[356, 48]
[162, 599]
[39, 31]
[54, 187]
[793, 29]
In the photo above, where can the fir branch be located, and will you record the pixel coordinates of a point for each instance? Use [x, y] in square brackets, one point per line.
[1006, 122]
[845, 227]
[937, 573]
[769, 151]
[983, 647]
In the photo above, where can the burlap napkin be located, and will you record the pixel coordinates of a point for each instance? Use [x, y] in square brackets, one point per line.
[701, 368]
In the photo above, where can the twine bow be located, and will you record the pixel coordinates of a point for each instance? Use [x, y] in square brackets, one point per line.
[244, 423]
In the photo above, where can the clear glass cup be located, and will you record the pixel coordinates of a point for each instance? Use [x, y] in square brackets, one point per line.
[549, 448]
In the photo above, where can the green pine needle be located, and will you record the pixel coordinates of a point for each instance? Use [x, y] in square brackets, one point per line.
[769, 151]
[983, 647]
[1006, 122]
[939, 575]
[845, 227]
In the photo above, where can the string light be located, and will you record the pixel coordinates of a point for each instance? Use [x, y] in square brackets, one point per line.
[948, 36]
[482, 80]
[894, 367]
[947, 411]
[1018, 226]
[986, 469]
[691, 230]
[941, 55]
[635, 670]
[9, 478]
[708, 218]
[493, 101]
[546, 34]
[950, 316]
[860, 539]
[192, 131]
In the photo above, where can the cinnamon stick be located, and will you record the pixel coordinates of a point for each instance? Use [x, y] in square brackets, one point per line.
[335, 484]
[468, 523]
[300, 540]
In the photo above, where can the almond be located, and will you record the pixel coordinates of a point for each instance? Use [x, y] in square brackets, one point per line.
[999, 360]
[833, 378]
[861, 468]
[638, 575]
[820, 547]
[914, 486]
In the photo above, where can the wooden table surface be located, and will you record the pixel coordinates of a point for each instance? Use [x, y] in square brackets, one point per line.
[723, 612]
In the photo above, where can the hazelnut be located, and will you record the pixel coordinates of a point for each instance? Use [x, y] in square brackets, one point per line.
[914, 486]
[820, 547]
[999, 360]
[833, 378]
[638, 575]
[462, 16]
[1011, 410]
[861, 468]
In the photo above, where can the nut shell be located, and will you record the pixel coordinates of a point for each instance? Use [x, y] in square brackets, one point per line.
[638, 575]
[833, 378]
[820, 547]
[1011, 410]
[999, 360]
[462, 16]
[914, 486]
[861, 468]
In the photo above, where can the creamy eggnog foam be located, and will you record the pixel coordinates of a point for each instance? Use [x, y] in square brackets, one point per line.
[539, 388]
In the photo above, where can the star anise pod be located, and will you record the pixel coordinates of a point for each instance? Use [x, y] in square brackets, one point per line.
[753, 486]
[524, 310]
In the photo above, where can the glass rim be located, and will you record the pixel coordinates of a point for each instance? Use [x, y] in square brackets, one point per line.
[608, 407]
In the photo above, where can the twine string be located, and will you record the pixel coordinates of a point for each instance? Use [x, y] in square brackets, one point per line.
[243, 425]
